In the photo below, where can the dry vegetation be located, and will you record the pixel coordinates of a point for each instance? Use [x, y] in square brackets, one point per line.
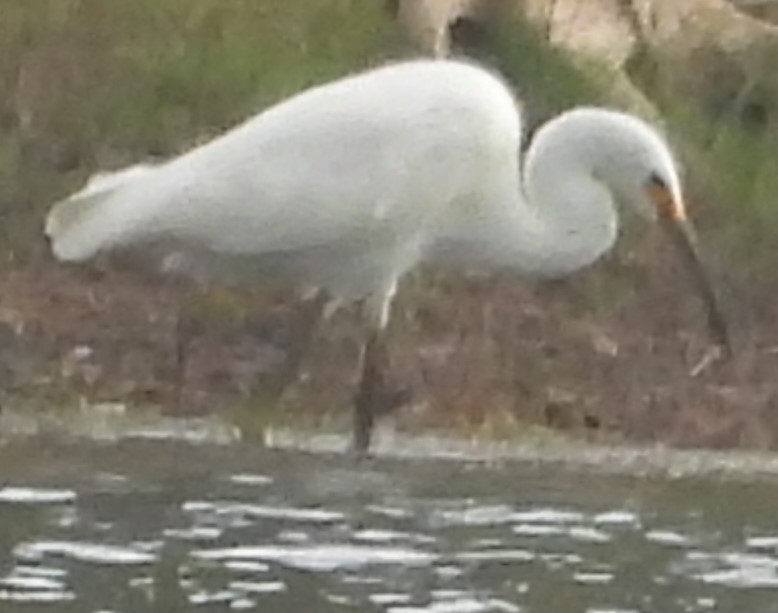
[88, 84]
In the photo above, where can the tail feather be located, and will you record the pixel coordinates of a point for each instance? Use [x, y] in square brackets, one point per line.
[89, 221]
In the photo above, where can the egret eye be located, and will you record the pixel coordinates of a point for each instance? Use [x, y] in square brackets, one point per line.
[657, 182]
[663, 198]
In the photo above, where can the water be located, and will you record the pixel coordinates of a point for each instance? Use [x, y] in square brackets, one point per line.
[152, 525]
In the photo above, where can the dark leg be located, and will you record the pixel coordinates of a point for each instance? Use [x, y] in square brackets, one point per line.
[185, 324]
[306, 324]
[375, 397]
[374, 361]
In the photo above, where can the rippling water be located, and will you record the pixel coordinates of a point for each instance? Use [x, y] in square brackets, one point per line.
[164, 526]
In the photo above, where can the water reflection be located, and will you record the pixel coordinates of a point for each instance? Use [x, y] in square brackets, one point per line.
[155, 526]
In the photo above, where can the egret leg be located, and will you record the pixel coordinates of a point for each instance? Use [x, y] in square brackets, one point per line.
[184, 329]
[375, 362]
[307, 324]
[186, 325]
[375, 396]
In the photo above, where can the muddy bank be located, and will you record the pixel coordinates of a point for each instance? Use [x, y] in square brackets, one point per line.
[483, 357]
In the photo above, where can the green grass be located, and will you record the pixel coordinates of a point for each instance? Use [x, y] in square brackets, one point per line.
[547, 80]
[106, 81]
[732, 182]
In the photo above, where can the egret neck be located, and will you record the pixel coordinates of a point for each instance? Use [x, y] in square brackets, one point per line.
[564, 220]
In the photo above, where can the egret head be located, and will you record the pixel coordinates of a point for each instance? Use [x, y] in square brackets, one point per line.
[634, 162]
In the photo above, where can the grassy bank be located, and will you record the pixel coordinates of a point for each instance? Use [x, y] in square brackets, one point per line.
[88, 83]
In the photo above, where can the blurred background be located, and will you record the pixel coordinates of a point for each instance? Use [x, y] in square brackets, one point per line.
[89, 85]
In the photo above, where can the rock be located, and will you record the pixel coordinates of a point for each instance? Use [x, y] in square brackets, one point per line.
[430, 23]
[710, 51]
[765, 10]
[718, 52]
[595, 29]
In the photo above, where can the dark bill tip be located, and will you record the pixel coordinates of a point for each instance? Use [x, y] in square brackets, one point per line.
[684, 238]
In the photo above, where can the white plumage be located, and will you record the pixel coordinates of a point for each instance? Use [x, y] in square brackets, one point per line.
[349, 185]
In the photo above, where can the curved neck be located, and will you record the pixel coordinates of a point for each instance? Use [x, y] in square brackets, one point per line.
[563, 219]
[575, 215]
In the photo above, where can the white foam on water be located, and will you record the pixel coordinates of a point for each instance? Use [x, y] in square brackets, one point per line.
[561, 560]
[389, 598]
[536, 530]
[668, 537]
[315, 516]
[84, 552]
[292, 514]
[294, 536]
[591, 578]
[204, 597]
[39, 571]
[495, 555]
[321, 557]
[741, 570]
[29, 495]
[449, 571]
[379, 536]
[762, 542]
[475, 516]
[547, 516]
[250, 479]
[742, 578]
[243, 604]
[588, 534]
[462, 605]
[21, 582]
[616, 518]
[247, 567]
[390, 536]
[449, 594]
[46, 596]
[195, 533]
[258, 587]
[198, 506]
[390, 512]
[342, 600]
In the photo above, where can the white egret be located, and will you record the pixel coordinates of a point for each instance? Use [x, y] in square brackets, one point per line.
[347, 186]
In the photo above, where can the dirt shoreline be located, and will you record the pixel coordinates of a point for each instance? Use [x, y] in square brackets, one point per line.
[483, 357]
